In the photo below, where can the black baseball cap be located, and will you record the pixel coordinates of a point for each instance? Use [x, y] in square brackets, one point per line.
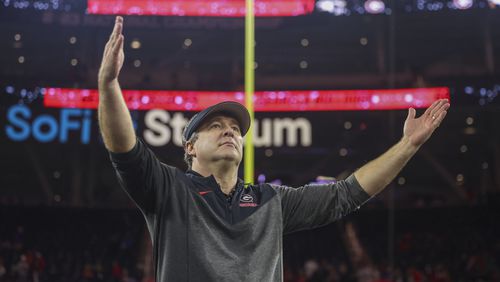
[229, 108]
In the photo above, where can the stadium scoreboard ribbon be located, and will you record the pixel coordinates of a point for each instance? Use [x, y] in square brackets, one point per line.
[264, 101]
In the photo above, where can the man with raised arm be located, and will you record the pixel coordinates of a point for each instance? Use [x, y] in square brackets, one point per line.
[205, 223]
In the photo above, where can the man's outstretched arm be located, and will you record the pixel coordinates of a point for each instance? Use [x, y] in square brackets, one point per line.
[114, 117]
[377, 174]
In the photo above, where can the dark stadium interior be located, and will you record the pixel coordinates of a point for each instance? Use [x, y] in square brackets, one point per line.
[63, 216]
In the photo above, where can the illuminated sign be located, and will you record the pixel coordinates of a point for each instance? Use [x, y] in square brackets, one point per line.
[161, 128]
[265, 101]
[47, 128]
[68, 114]
[209, 8]
[158, 128]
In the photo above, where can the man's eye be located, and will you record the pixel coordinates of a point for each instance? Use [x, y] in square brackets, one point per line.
[235, 128]
[215, 125]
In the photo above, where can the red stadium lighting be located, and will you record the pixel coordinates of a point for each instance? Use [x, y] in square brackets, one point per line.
[209, 8]
[265, 101]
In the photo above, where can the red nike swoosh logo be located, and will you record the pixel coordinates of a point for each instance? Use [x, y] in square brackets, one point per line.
[204, 192]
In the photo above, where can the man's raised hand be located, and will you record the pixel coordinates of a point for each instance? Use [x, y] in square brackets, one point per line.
[418, 130]
[113, 57]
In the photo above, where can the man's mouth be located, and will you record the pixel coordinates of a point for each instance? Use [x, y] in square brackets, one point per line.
[228, 143]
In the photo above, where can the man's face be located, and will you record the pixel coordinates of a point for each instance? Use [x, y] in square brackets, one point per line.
[219, 139]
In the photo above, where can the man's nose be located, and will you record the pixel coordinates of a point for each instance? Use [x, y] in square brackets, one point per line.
[228, 131]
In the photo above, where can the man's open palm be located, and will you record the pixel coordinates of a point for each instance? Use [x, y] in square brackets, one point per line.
[418, 130]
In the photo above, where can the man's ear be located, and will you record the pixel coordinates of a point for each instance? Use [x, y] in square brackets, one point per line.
[190, 149]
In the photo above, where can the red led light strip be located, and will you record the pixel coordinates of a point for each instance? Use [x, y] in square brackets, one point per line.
[214, 8]
[265, 101]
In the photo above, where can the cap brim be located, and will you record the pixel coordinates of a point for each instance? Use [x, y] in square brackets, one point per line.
[232, 109]
[228, 108]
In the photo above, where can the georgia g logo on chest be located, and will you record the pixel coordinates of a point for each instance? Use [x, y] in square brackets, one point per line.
[247, 200]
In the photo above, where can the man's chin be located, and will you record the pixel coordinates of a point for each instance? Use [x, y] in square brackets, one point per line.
[229, 157]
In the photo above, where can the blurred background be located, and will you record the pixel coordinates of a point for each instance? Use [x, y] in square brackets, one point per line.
[63, 216]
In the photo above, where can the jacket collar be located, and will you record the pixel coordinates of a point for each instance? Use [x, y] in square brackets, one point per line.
[209, 180]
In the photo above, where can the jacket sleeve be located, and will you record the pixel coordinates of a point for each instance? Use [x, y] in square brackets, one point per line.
[145, 179]
[312, 206]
